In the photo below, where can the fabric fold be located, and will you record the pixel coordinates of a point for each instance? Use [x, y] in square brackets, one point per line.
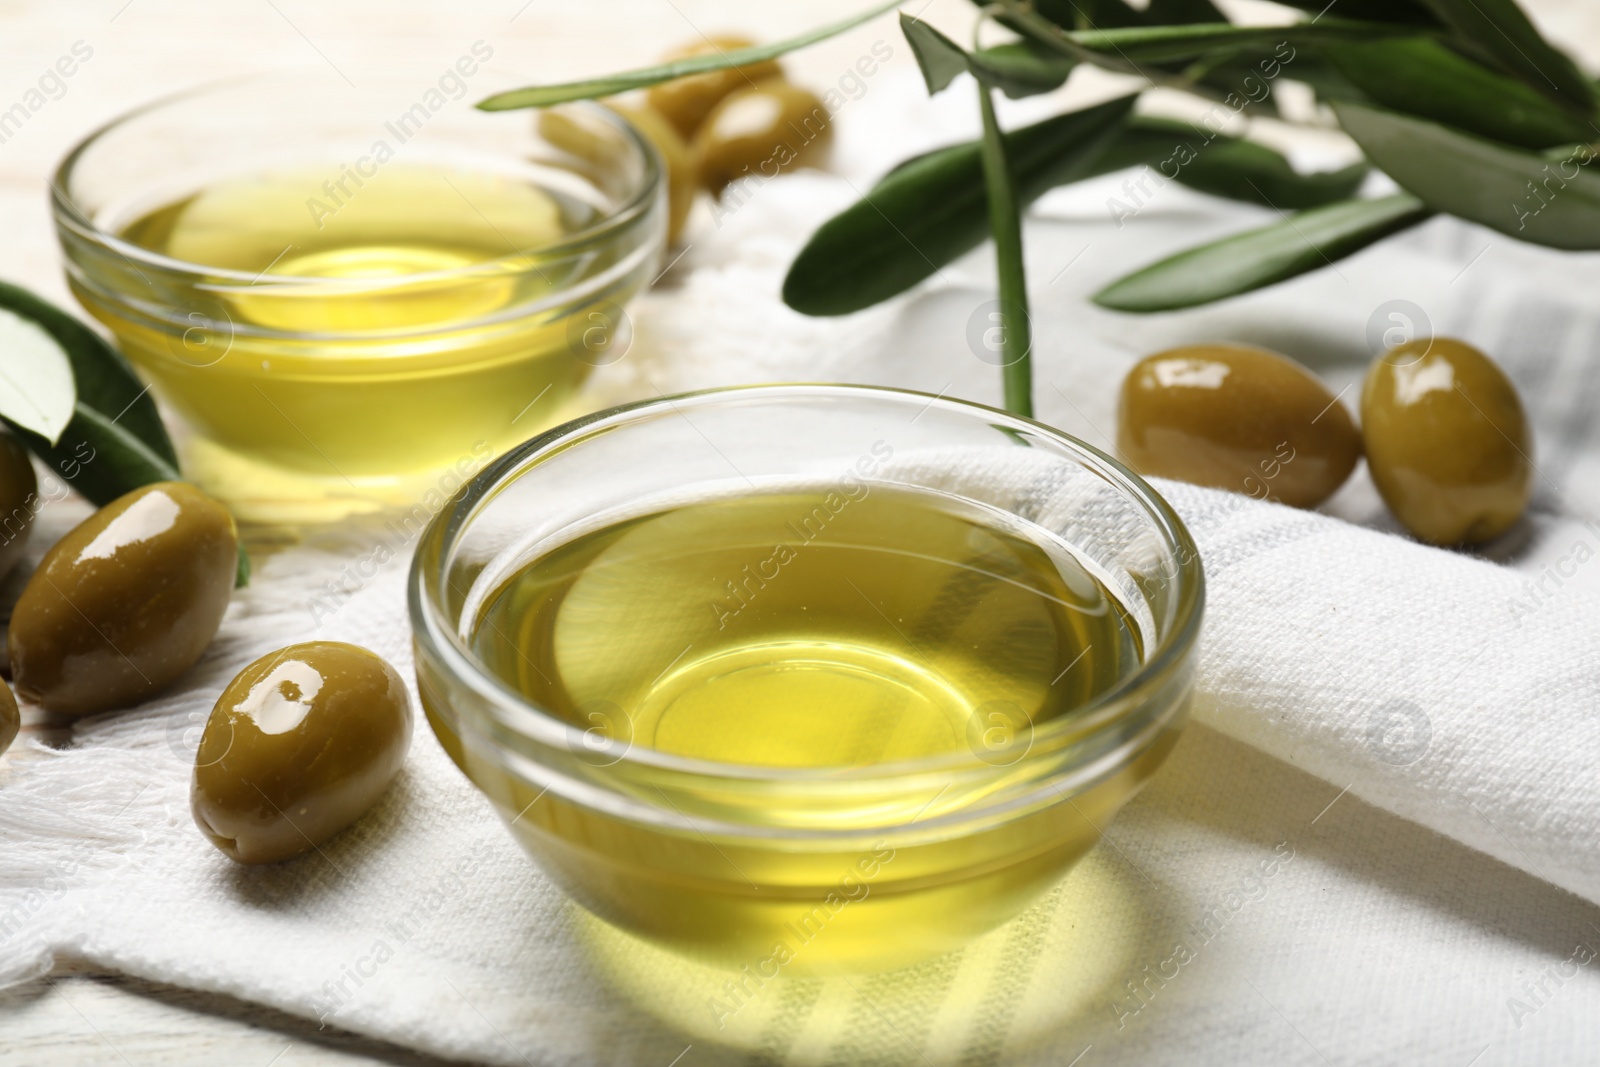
[1426, 682]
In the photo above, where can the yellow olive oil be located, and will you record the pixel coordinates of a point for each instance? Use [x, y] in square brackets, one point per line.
[368, 334]
[816, 631]
[770, 629]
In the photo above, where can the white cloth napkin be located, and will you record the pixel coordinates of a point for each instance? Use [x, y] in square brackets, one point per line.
[1354, 856]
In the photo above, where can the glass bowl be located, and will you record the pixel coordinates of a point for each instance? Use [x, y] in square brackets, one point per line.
[804, 869]
[315, 310]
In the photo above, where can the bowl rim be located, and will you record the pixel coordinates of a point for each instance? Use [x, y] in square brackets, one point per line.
[68, 214]
[439, 639]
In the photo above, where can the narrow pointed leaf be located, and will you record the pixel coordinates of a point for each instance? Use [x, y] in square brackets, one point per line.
[1501, 29]
[1085, 14]
[103, 380]
[545, 95]
[1318, 73]
[1413, 12]
[938, 57]
[36, 390]
[1177, 11]
[1239, 80]
[1420, 76]
[1523, 194]
[932, 209]
[1255, 174]
[1224, 166]
[1221, 166]
[1258, 258]
[1155, 44]
[115, 440]
[1021, 68]
[99, 457]
[1108, 14]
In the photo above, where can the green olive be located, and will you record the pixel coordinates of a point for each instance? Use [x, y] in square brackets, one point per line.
[682, 178]
[125, 602]
[19, 491]
[762, 129]
[1447, 441]
[583, 134]
[685, 102]
[10, 718]
[1239, 418]
[301, 743]
[572, 130]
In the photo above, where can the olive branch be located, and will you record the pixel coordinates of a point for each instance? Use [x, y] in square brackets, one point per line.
[1462, 102]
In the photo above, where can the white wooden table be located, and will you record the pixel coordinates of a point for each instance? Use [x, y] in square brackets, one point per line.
[140, 49]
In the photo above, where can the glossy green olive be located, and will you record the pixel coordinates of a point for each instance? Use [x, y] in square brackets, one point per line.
[301, 743]
[685, 102]
[1239, 418]
[683, 181]
[19, 499]
[125, 602]
[762, 130]
[1447, 441]
[576, 132]
[10, 718]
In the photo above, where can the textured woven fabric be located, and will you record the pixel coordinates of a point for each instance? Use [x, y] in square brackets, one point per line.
[1375, 845]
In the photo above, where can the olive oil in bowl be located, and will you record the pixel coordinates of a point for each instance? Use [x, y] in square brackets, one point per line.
[341, 316]
[385, 337]
[845, 706]
[767, 629]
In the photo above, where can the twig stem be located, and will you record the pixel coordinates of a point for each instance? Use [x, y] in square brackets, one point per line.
[1005, 223]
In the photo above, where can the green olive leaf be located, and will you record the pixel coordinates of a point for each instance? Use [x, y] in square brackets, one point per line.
[99, 457]
[1157, 44]
[36, 390]
[1411, 12]
[103, 380]
[1519, 193]
[1318, 73]
[115, 440]
[1213, 163]
[1499, 28]
[938, 57]
[1027, 67]
[1021, 68]
[1106, 14]
[1178, 11]
[1422, 77]
[1085, 14]
[932, 209]
[1224, 75]
[862, 255]
[592, 88]
[1225, 166]
[1258, 258]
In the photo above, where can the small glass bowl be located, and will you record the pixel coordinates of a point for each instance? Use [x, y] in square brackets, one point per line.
[804, 870]
[316, 388]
